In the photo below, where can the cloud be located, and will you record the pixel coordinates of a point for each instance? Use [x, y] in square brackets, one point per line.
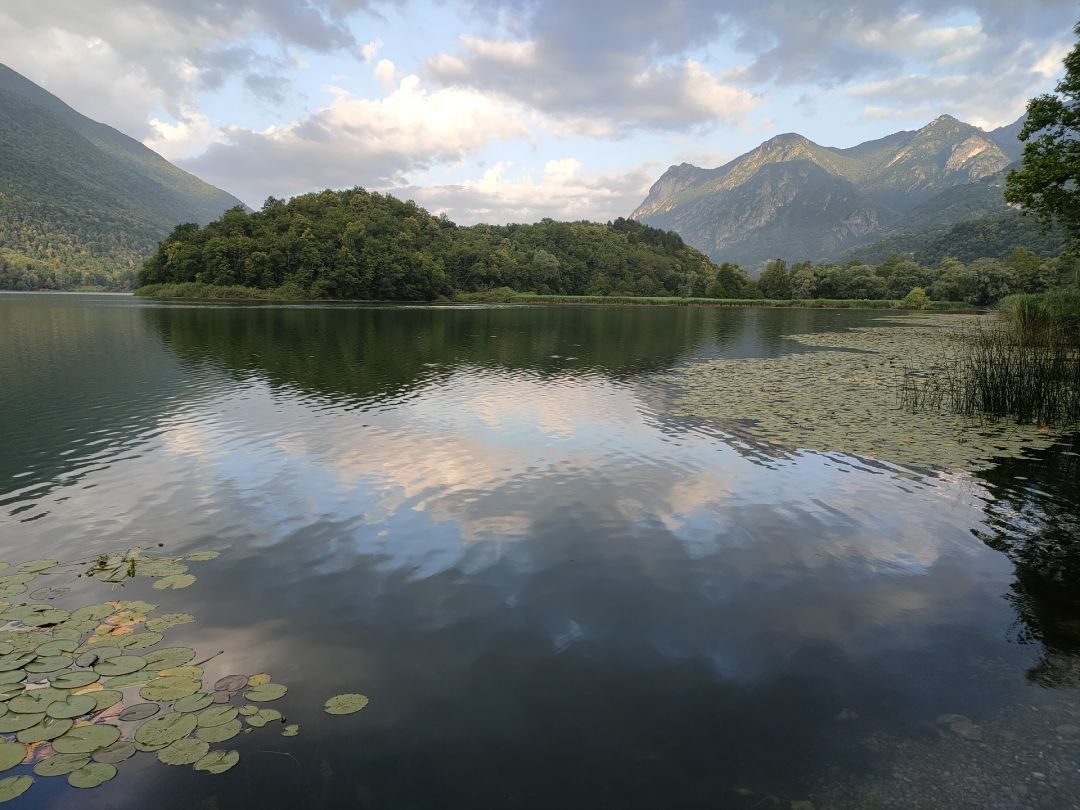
[359, 141]
[562, 190]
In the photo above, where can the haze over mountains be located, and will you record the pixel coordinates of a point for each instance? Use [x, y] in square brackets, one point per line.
[791, 198]
[75, 193]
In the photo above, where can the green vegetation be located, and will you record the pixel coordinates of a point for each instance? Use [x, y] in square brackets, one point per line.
[81, 205]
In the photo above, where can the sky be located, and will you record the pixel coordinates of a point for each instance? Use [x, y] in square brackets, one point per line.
[510, 111]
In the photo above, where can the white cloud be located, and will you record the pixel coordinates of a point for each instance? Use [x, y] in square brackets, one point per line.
[369, 50]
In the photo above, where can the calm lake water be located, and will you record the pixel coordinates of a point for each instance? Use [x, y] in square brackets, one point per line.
[556, 594]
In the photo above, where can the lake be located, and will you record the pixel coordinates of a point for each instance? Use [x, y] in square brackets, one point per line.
[555, 591]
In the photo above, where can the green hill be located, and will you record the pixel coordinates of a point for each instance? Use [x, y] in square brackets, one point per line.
[81, 203]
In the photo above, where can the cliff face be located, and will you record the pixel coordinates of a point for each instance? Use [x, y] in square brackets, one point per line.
[795, 199]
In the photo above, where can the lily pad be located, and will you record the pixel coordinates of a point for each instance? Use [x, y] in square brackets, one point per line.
[12, 722]
[346, 704]
[174, 582]
[74, 680]
[140, 711]
[49, 663]
[37, 566]
[168, 621]
[168, 657]
[218, 761]
[231, 683]
[193, 703]
[202, 556]
[14, 786]
[291, 730]
[91, 613]
[35, 701]
[160, 568]
[96, 654]
[263, 716]
[138, 641]
[12, 676]
[11, 754]
[216, 716]
[165, 729]
[48, 729]
[49, 593]
[266, 692]
[115, 753]
[216, 734]
[169, 688]
[15, 660]
[71, 706]
[93, 775]
[248, 710]
[107, 698]
[134, 679]
[120, 665]
[57, 646]
[86, 739]
[46, 617]
[259, 679]
[59, 764]
[184, 752]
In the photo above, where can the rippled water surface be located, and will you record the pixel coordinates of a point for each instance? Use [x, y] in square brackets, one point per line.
[556, 594]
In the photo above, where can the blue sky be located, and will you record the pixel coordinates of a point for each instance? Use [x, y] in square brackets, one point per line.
[512, 110]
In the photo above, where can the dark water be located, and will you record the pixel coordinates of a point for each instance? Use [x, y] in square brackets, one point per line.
[555, 593]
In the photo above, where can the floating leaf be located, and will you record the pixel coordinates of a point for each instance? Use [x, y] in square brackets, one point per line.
[12, 676]
[86, 739]
[36, 701]
[263, 716]
[136, 606]
[49, 663]
[168, 657]
[268, 691]
[91, 613]
[44, 618]
[184, 752]
[231, 683]
[346, 704]
[37, 566]
[174, 582]
[139, 640]
[48, 729]
[169, 688]
[73, 680]
[6, 648]
[216, 734]
[49, 593]
[15, 660]
[259, 680]
[57, 646]
[93, 775]
[15, 786]
[11, 754]
[59, 764]
[168, 621]
[95, 654]
[165, 729]
[193, 703]
[120, 665]
[150, 748]
[107, 698]
[115, 753]
[202, 556]
[291, 730]
[248, 710]
[160, 568]
[71, 706]
[134, 679]
[216, 716]
[140, 711]
[218, 761]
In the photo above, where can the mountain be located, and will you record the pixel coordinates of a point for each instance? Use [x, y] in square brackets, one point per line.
[792, 198]
[79, 201]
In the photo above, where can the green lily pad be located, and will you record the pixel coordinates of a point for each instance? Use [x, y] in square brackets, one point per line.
[120, 665]
[168, 657]
[59, 764]
[218, 761]
[49, 593]
[134, 679]
[106, 698]
[193, 703]
[91, 776]
[96, 653]
[91, 613]
[346, 704]
[137, 606]
[11, 754]
[248, 710]
[115, 753]
[168, 621]
[137, 641]
[140, 711]
[291, 730]
[216, 734]
[73, 680]
[174, 582]
[202, 556]
[266, 692]
[150, 748]
[160, 568]
[165, 729]
[169, 688]
[14, 786]
[184, 752]
[216, 716]
[35, 701]
[12, 722]
[12, 676]
[46, 617]
[37, 566]
[15, 660]
[49, 663]
[48, 729]
[263, 716]
[86, 739]
[71, 706]
[231, 683]
[57, 646]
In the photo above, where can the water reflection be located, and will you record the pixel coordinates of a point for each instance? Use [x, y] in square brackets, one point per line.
[554, 592]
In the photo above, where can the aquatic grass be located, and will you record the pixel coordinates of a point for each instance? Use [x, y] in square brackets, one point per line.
[808, 303]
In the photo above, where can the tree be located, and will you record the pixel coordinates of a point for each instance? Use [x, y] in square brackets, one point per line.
[775, 282]
[1048, 182]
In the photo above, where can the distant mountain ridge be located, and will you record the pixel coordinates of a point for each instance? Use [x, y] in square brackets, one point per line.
[795, 199]
[77, 196]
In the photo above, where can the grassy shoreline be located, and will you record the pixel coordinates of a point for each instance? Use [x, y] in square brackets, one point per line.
[210, 292]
